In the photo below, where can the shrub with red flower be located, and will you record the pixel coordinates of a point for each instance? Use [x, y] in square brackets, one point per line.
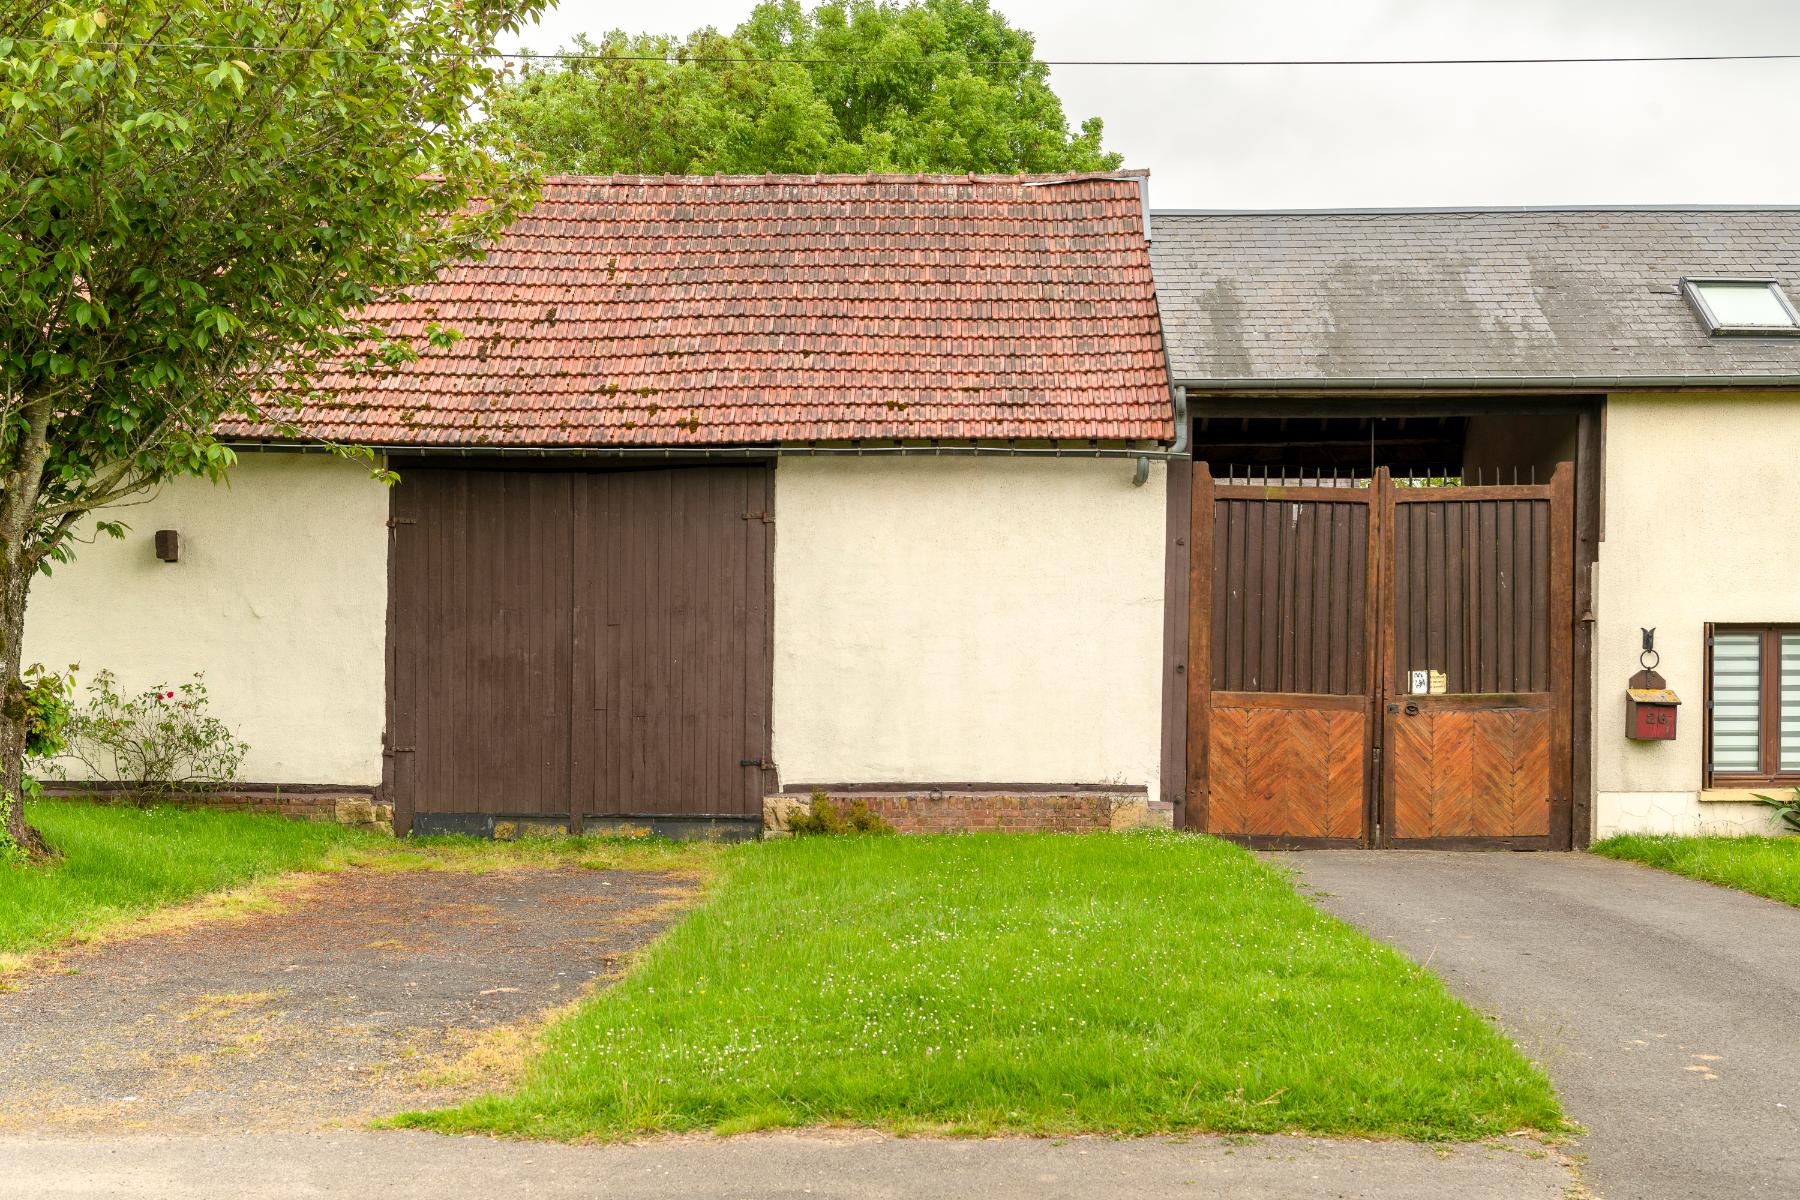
[145, 743]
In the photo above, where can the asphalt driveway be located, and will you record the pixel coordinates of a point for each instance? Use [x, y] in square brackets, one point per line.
[1666, 1011]
[364, 993]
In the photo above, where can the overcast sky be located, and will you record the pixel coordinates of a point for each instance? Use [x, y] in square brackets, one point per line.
[1398, 136]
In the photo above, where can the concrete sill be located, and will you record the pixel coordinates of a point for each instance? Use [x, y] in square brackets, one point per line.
[1740, 795]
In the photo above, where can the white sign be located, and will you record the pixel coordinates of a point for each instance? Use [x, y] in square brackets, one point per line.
[1420, 682]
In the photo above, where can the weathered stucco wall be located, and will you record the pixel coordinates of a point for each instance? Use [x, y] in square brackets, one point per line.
[280, 597]
[1702, 524]
[968, 620]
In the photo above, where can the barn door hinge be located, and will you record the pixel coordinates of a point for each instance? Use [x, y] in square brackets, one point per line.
[766, 518]
[392, 522]
[761, 764]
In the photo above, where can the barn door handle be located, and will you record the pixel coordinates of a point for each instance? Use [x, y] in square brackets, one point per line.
[1412, 710]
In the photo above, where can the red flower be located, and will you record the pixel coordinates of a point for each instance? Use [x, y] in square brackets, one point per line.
[170, 695]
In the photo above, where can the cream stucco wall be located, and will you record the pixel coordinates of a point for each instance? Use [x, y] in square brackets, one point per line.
[280, 596]
[968, 620]
[1702, 523]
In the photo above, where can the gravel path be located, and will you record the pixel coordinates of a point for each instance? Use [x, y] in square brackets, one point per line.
[367, 993]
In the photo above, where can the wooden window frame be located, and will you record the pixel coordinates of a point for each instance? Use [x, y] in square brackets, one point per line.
[1768, 712]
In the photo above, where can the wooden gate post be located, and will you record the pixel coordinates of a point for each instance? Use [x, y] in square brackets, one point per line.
[1199, 672]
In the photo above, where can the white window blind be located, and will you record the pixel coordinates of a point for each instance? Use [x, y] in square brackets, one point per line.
[1736, 697]
[1790, 702]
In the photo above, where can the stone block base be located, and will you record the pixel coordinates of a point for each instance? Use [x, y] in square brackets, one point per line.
[974, 810]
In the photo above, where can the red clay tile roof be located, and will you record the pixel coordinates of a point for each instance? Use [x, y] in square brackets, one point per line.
[746, 310]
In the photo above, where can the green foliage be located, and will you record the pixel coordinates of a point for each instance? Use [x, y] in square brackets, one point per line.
[155, 741]
[937, 85]
[824, 816]
[1763, 866]
[1787, 808]
[41, 702]
[1048, 984]
[188, 231]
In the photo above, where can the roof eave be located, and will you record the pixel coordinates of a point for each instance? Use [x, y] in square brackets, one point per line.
[1484, 383]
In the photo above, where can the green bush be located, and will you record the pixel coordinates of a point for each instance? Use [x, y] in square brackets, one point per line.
[826, 816]
[154, 742]
[1787, 808]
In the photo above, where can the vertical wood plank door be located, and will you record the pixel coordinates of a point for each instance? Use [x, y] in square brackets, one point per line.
[1477, 588]
[672, 651]
[479, 665]
[1280, 662]
[570, 644]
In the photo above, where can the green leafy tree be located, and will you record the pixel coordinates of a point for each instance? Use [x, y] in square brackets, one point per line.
[188, 230]
[851, 85]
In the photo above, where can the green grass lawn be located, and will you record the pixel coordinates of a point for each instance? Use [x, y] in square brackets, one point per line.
[1045, 984]
[123, 862]
[1767, 866]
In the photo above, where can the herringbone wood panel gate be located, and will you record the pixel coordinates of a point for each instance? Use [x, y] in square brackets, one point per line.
[1315, 609]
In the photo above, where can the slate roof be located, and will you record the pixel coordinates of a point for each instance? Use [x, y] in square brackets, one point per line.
[692, 311]
[1464, 296]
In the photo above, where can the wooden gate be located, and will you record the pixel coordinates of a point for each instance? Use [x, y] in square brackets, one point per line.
[1373, 664]
[567, 645]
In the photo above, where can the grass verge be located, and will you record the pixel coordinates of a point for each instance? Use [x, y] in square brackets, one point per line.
[1042, 984]
[1765, 866]
[119, 862]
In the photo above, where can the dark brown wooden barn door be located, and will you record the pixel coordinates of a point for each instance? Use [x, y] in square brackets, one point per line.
[567, 645]
[1475, 737]
[1281, 662]
[479, 645]
[672, 643]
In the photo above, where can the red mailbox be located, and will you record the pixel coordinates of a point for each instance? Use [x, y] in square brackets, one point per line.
[1650, 709]
[1650, 714]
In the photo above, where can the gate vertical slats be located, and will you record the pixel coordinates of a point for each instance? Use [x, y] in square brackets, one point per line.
[1456, 571]
[1437, 652]
[1355, 636]
[1504, 602]
[1540, 596]
[1267, 673]
[1293, 642]
[1239, 632]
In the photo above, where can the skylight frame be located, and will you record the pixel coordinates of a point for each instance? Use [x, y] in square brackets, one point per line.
[1693, 287]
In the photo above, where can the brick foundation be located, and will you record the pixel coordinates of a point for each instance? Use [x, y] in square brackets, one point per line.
[927, 810]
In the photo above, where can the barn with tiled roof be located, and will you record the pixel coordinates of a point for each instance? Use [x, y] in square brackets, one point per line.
[727, 489]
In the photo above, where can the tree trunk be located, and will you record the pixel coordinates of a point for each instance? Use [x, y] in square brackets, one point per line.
[15, 583]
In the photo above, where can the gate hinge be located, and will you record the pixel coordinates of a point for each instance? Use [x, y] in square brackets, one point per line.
[393, 521]
[761, 764]
[765, 517]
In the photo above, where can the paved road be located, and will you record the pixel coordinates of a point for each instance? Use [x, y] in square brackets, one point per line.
[405, 1166]
[1666, 1011]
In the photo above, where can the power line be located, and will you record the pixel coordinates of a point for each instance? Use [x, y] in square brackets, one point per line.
[1198, 63]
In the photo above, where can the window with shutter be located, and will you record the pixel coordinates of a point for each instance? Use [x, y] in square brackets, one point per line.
[1753, 705]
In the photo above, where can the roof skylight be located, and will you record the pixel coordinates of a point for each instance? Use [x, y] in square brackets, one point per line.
[1742, 306]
